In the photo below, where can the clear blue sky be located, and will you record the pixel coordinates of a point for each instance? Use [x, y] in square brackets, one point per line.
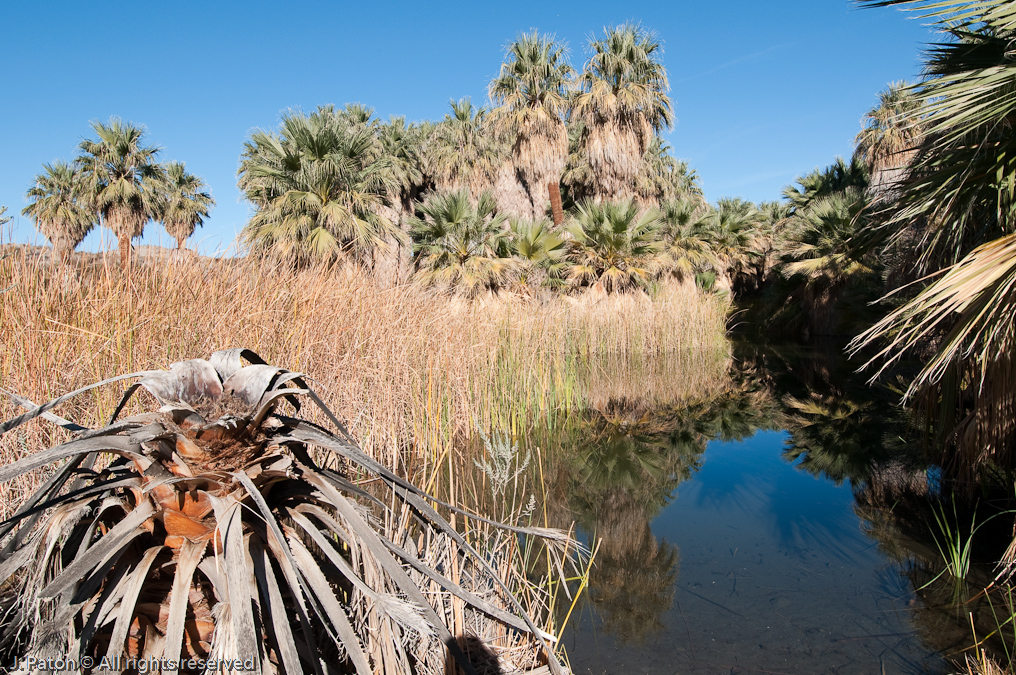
[763, 91]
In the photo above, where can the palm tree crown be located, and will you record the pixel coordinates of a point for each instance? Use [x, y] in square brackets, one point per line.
[318, 187]
[56, 205]
[187, 202]
[122, 180]
[623, 101]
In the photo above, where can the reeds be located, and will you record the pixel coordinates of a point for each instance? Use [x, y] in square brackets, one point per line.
[409, 370]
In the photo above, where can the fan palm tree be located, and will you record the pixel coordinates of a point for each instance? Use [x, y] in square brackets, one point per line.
[213, 534]
[687, 238]
[55, 204]
[531, 99]
[187, 203]
[615, 246]
[463, 154]
[730, 228]
[961, 196]
[461, 245]
[892, 130]
[622, 103]
[541, 251]
[319, 186]
[122, 181]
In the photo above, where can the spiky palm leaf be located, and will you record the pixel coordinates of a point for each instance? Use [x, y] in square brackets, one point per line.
[187, 202]
[213, 533]
[541, 251]
[58, 209]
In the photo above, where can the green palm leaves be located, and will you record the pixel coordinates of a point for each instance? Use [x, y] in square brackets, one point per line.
[318, 185]
[531, 95]
[958, 204]
[187, 202]
[461, 244]
[616, 246]
[622, 102]
[59, 208]
[123, 181]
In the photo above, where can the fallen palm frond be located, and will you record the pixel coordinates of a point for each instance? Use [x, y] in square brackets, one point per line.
[213, 533]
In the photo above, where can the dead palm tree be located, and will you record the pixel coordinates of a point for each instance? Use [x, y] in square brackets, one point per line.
[531, 99]
[122, 181]
[622, 103]
[55, 204]
[187, 203]
[212, 533]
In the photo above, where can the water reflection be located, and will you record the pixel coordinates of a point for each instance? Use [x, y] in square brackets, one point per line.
[618, 471]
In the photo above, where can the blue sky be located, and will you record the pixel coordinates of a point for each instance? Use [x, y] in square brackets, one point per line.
[763, 91]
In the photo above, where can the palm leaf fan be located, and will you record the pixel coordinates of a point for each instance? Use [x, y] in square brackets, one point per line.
[213, 533]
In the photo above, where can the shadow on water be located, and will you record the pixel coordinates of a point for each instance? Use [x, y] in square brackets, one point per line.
[750, 527]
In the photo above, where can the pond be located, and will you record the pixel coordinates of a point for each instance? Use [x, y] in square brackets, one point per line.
[760, 531]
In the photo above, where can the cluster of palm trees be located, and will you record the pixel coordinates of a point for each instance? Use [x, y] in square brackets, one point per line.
[338, 183]
[116, 181]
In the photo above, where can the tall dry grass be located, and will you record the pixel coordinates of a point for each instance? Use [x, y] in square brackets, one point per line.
[407, 369]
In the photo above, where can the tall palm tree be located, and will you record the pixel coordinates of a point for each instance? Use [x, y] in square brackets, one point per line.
[187, 203]
[616, 246]
[56, 205]
[463, 153]
[318, 187]
[461, 245]
[892, 130]
[122, 180]
[622, 103]
[531, 99]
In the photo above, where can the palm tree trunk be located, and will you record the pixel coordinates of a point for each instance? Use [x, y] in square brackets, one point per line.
[554, 187]
[124, 242]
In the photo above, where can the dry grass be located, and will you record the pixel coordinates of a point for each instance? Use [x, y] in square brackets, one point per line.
[409, 370]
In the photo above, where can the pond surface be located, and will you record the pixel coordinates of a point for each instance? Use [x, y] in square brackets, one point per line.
[748, 533]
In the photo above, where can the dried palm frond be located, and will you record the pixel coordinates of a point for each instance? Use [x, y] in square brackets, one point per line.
[213, 533]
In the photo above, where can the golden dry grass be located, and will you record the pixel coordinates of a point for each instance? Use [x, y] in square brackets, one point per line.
[407, 369]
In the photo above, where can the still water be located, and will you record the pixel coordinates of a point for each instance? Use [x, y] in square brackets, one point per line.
[749, 533]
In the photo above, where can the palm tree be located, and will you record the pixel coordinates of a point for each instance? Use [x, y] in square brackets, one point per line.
[213, 533]
[187, 203]
[892, 130]
[730, 228]
[463, 153]
[57, 209]
[541, 250]
[622, 103]
[662, 177]
[960, 194]
[531, 99]
[122, 181]
[615, 246]
[461, 245]
[687, 239]
[319, 186]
